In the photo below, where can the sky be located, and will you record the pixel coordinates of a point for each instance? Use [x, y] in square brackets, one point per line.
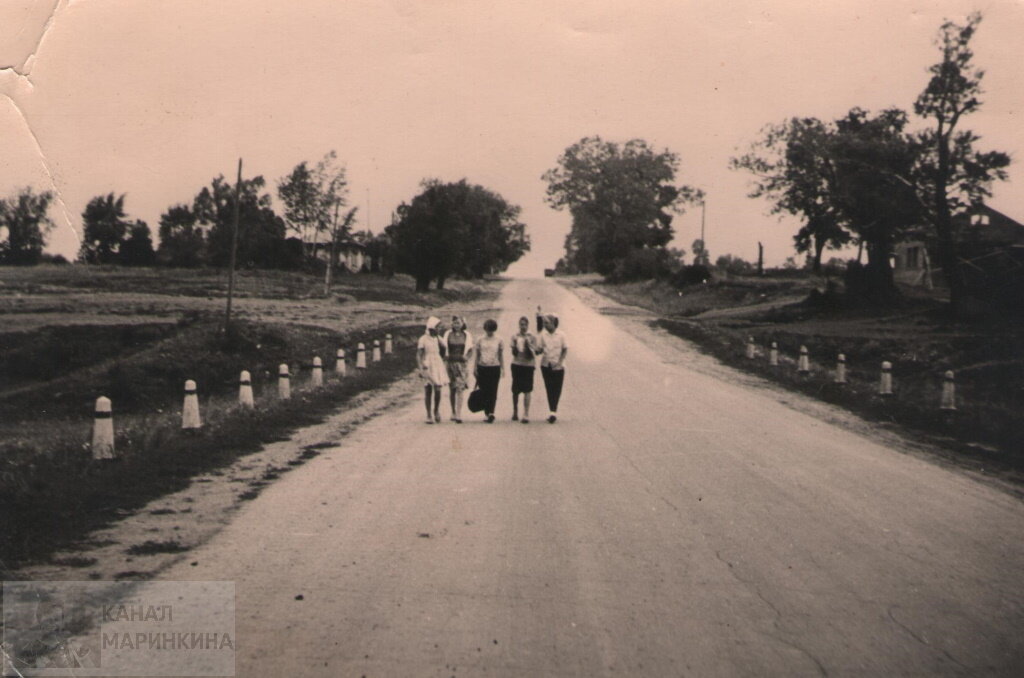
[153, 99]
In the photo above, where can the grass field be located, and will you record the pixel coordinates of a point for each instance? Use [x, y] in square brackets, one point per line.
[72, 333]
[914, 334]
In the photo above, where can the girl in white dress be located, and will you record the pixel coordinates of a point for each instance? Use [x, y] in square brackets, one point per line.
[430, 356]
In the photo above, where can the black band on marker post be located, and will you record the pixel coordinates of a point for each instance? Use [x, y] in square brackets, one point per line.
[104, 415]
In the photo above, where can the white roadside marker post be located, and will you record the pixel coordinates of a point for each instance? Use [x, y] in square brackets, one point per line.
[841, 369]
[885, 380]
[103, 430]
[317, 377]
[948, 401]
[389, 346]
[190, 420]
[751, 349]
[245, 398]
[803, 366]
[189, 409]
[376, 350]
[361, 356]
[284, 382]
[339, 365]
[773, 354]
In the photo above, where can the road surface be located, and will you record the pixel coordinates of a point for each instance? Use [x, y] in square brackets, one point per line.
[670, 524]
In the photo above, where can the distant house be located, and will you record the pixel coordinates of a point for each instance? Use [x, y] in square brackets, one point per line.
[990, 247]
[348, 253]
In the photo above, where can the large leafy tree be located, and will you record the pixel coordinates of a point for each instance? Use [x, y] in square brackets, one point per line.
[869, 153]
[455, 229]
[622, 197]
[842, 178]
[794, 170]
[182, 241]
[260, 230]
[24, 225]
[137, 249]
[951, 176]
[104, 225]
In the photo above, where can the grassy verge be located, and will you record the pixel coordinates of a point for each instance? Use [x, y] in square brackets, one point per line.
[988, 359]
[52, 493]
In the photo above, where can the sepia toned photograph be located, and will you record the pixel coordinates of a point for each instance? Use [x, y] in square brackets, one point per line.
[568, 338]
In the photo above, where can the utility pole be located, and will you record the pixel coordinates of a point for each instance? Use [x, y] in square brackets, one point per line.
[234, 247]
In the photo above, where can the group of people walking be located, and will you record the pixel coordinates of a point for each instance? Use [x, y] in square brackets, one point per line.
[448, 356]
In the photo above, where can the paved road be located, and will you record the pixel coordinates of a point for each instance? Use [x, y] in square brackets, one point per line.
[671, 523]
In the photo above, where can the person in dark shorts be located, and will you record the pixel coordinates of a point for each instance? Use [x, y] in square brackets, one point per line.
[489, 359]
[524, 365]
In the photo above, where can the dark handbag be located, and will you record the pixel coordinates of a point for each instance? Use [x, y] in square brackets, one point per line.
[475, 402]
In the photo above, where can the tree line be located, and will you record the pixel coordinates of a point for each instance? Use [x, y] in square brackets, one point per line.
[869, 180]
[449, 229]
[864, 179]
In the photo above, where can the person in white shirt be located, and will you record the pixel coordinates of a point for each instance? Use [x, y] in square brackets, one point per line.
[458, 344]
[553, 348]
[489, 359]
[432, 368]
[524, 364]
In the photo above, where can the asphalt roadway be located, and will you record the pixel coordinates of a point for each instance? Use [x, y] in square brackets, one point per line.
[672, 523]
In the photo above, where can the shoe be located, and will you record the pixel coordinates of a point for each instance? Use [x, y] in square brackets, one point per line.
[437, 418]
[429, 420]
[490, 418]
[552, 419]
[515, 417]
[525, 420]
[457, 421]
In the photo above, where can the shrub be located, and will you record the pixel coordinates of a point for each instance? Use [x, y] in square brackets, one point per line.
[696, 274]
[643, 264]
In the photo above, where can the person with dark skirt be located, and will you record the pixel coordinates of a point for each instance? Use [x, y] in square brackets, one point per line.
[553, 348]
[524, 364]
[489, 359]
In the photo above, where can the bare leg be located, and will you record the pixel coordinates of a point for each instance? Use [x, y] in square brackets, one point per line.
[515, 405]
[526, 406]
[437, 404]
[458, 405]
[426, 398]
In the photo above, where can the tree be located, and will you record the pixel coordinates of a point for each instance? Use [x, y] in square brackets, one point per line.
[313, 198]
[260, 230]
[701, 257]
[621, 198]
[137, 249]
[842, 177]
[951, 176]
[734, 265]
[794, 170]
[182, 241]
[303, 206]
[24, 225]
[869, 154]
[455, 229]
[104, 225]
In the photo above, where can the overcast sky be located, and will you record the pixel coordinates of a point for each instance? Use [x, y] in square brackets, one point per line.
[154, 99]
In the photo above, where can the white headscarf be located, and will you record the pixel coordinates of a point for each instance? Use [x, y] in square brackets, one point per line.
[433, 322]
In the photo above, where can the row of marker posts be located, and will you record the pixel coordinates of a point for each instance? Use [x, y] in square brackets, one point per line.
[946, 402]
[103, 425]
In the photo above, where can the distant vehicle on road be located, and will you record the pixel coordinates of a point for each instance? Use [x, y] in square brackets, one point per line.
[548, 272]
